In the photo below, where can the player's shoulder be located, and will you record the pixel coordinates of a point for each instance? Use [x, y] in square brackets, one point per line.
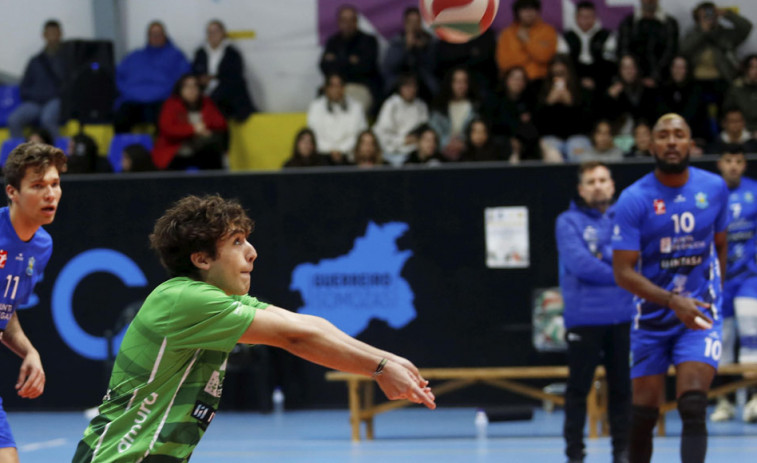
[702, 178]
[42, 238]
[637, 192]
[570, 213]
[642, 185]
[183, 286]
[749, 183]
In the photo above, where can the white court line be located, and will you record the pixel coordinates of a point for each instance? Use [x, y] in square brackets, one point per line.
[42, 445]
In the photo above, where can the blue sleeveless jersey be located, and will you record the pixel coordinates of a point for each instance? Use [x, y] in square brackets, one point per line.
[21, 265]
[673, 229]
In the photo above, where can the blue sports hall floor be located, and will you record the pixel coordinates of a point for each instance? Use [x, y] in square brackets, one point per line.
[406, 435]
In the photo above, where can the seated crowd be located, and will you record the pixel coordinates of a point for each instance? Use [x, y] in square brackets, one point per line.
[525, 93]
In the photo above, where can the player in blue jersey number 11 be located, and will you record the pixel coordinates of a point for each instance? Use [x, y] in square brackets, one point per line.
[32, 185]
[669, 249]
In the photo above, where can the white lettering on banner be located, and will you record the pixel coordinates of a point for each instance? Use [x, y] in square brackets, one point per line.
[128, 439]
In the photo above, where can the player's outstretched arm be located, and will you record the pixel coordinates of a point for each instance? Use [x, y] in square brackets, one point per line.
[626, 276]
[31, 377]
[318, 342]
[334, 331]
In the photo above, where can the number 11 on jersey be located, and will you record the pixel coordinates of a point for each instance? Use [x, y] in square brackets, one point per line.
[11, 280]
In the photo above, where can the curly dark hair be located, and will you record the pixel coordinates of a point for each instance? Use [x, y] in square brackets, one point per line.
[196, 224]
[30, 155]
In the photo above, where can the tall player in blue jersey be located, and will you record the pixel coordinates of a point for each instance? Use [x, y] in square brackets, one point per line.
[32, 185]
[740, 286]
[669, 244]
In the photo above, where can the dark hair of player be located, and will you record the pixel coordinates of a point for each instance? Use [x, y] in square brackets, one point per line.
[30, 155]
[196, 224]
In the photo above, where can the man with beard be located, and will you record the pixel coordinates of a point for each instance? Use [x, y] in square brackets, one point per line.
[597, 312]
[669, 246]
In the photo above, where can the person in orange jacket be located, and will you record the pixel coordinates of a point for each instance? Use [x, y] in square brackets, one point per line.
[528, 42]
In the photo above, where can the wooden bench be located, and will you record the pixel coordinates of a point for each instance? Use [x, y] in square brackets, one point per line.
[444, 380]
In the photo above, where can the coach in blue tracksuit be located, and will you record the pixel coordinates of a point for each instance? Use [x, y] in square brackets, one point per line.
[597, 312]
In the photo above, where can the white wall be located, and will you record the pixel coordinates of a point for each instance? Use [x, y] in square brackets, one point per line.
[282, 60]
[21, 24]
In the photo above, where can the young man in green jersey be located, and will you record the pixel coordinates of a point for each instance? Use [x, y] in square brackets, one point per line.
[167, 378]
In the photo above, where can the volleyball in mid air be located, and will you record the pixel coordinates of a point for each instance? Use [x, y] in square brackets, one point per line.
[459, 21]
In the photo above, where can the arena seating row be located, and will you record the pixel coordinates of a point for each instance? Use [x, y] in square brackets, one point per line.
[262, 142]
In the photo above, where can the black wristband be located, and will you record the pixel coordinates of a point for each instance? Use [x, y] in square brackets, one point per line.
[380, 368]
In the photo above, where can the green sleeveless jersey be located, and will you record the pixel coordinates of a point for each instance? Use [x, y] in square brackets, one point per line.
[167, 378]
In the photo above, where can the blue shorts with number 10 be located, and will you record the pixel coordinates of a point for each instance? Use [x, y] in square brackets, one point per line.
[654, 350]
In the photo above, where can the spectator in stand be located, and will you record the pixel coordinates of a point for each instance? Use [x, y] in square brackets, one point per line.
[136, 158]
[743, 93]
[681, 95]
[220, 67]
[305, 151]
[711, 48]
[191, 129]
[40, 135]
[511, 116]
[145, 79]
[628, 100]
[651, 37]
[591, 47]
[734, 133]
[411, 52]
[354, 55]
[400, 115]
[40, 87]
[336, 119]
[602, 144]
[453, 109]
[479, 146]
[428, 148]
[476, 55]
[528, 42]
[563, 110]
[642, 140]
[84, 156]
[368, 150]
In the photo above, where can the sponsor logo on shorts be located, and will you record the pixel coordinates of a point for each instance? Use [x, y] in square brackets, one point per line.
[680, 199]
[3, 258]
[683, 261]
[203, 413]
[659, 206]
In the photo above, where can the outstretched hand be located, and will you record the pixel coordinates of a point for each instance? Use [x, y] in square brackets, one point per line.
[31, 377]
[401, 380]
